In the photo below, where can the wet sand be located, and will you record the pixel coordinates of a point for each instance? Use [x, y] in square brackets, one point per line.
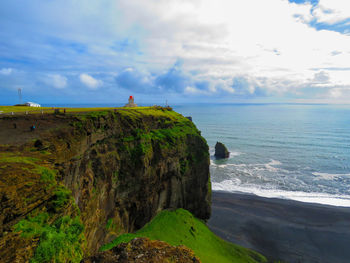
[281, 229]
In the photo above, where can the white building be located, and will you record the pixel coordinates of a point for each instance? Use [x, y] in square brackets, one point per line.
[32, 104]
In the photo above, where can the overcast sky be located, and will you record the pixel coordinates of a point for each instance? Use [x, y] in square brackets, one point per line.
[102, 51]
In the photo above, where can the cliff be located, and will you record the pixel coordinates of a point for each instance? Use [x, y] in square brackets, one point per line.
[80, 180]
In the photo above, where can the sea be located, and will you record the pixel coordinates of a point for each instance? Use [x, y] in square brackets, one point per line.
[289, 151]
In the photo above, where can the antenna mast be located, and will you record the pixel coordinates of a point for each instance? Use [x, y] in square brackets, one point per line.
[20, 95]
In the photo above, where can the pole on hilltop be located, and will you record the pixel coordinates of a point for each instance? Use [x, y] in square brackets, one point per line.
[20, 95]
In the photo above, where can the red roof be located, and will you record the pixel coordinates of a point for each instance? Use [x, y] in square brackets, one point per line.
[131, 97]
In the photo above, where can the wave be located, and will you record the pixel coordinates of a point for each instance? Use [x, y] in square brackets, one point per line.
[328, 176]
[250, 168]
[308, 197]
[224, 165]
[270, 165]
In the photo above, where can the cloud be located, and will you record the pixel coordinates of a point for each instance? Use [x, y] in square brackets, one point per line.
[89, 81]
[56, 80]
[249, 87]
[277, 51]
[335, 92]
[132, 79]
[217, 48]
[174, 79]
[195, 91]
[332, 11]
[6, 71]
[321, 77]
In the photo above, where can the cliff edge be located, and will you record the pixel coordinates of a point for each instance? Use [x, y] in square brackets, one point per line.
[81, 179]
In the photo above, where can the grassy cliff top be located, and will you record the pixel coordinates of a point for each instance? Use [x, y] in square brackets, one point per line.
[180, 227]
[23, 109]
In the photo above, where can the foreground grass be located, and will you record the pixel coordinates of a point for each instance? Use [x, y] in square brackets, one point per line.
[180, 227]
[59, 241]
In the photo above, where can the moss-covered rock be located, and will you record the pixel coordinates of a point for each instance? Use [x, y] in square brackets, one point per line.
[144, 250]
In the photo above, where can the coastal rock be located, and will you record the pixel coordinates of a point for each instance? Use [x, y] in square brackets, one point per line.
[114, 170]
[221, 151]
[144, 250]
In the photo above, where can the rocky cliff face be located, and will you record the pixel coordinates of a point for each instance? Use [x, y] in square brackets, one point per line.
[109, 171]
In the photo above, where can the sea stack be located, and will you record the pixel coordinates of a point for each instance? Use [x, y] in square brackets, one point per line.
[221, 151]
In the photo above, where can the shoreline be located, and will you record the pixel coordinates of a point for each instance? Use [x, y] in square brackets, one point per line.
[302, 197]
[282, 229]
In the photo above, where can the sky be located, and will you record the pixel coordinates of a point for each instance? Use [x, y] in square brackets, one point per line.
[193, 51]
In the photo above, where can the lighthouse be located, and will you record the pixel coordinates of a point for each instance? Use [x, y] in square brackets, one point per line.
[131, 102]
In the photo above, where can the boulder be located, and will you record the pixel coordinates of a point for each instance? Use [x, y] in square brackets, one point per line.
[144, 250]
[221, 151]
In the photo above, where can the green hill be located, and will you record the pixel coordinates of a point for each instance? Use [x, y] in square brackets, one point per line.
[180, 227]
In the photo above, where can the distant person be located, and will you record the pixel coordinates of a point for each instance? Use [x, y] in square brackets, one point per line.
[15, 126]
[32, 128]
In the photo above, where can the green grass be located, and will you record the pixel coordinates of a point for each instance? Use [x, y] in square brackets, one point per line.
[174, 127]
[12, 158]
[47, 175]
[61, 197]
[157, 112]
[145, 110]
[58, 241]
[23, 109]
[110, 225]
[180, 227]
[6, 109]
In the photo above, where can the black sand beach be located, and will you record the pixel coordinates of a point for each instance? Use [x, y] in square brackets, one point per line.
[284, 230]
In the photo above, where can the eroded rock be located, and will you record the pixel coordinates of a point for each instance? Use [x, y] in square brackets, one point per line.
[221, 151]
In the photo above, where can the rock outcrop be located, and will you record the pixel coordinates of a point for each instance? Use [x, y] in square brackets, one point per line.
[144, 250]
[221, 151]
[109, 171]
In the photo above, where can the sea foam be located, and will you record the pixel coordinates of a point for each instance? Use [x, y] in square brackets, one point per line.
[320, 198]
[328, 176]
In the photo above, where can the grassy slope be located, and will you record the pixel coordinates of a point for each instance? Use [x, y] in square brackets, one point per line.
[180, 227]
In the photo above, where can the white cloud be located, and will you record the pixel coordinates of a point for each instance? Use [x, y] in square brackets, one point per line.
[335, 92]
[194, 90]
[89, 81]
[230, 89]
[321, 77]
[222, 39]
[332, 11]
[6, 71]
[270, 43]
[56, 80]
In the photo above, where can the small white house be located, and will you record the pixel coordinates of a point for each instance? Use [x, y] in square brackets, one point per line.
[32, 104]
